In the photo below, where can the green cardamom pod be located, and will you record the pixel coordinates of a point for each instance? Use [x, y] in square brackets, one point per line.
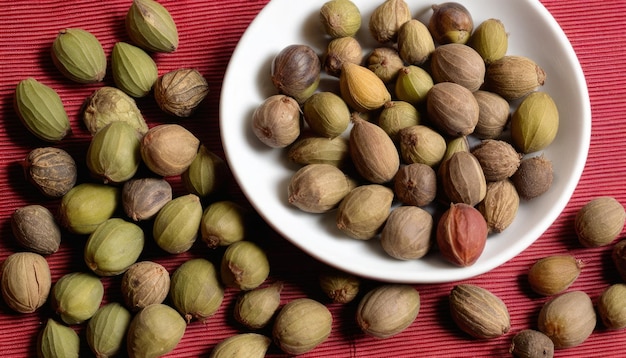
[77, 296]
[195, 289]
[57, 340]
[41, 110]
[86, 206]
[176, 225]
[113, 247]
[107, 329]
[223, 222]
[249, 345]
[151, 26]
[114, 153]
[155, 331]
[79, 56]
[206, 174]
[134, 71]
[244, 265]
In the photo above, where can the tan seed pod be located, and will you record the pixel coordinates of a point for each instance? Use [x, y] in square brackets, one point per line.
[387, 310]
[301, 325]
[362, 213]
[415, 44]
[339, 51]
[407, 234]
[458, 63]
[25, 281]
[340, 287]
[421, 144]
[611, 308]
[373, 152]
[169, 149]
[478, 312]
[51, 170]
[500, 205]
[320, 150]
[568, 319]
[498, 159]
[143, 284]
[318, 188]
[493, 114]
[415, 184]
[529, 343]
[249, 345]
[255, 308]
[387, 19]
[276, 121]
[462, 179]
[452, 108]
[600, 221]
[385, 62]
[514, 77]
[35, 228]
[553, 274]
[533, 177]
[142, 198]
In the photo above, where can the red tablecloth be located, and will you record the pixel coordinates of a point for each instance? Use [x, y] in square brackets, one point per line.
[209, 31]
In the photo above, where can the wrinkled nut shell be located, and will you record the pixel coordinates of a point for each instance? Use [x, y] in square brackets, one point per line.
[407, 233]
[599, 222]
[51, 170]
[478, 312]
[276, 121]
[529, 343]
[452, 108]
[25, 281]
[460, 64]
[180, 92]
[301, 325]
[387, 310]
[362, 213]
[35, 228]
[143, 284]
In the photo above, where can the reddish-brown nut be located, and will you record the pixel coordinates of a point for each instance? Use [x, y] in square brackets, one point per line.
[461, 234]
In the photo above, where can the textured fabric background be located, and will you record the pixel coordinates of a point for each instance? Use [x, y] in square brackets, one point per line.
[209, 32]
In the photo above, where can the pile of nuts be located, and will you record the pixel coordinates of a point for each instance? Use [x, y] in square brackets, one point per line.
[437, 122]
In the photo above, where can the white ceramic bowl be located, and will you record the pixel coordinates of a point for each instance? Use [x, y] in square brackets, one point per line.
[263, 172]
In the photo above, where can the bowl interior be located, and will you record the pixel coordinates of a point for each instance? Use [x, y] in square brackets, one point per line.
[263, 172]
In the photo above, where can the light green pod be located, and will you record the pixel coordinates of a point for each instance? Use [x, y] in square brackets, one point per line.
[206, 174]
[397, 115]
[413, 84]
[77, 296]
[86, 206]
[107, 329]
[155, 331]
[249, 345]
[195, 289]
[244, 265]
[134, 71]
[41, 110]
[113, 247]
[110, 104]
[151, 27]
[114, 153]
[327, 114]
[79, 56]
[57, 340]
[223, 222]
[177, 224]
[535, 122]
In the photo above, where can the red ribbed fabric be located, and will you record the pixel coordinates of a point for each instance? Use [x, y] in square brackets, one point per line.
[209, 32]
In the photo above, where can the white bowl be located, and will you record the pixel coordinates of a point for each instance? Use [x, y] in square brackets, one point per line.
[263, 172]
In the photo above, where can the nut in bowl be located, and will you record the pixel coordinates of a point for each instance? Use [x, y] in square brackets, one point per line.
[264, 172]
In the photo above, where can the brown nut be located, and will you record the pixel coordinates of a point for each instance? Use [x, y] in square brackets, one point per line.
[461, 234]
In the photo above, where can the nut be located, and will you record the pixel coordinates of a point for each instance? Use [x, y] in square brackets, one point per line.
[458, 63]
[143, 284]
[421, 144]
[387, 19]
[600, 221]
[319, 150]
[452, 108]
[339, 286]
[397, 115]
[529, 343]
[498, 159]
[461, 234]
[134, 71]
[113, 247]
[114, 153]
[35, 228]
[195, 290]
[251, 345]
[462, 179]
[295, 72]
[611, 306]
[415, 44]
[450, 22]
[41, 110]
[340, 18]
[276, 122]
[514, 77]
[478, 312]
[206, 174]
[413, 84]
[339, 51]
[244, 265]
[57, 340]
[151, 26]
[553, 274]
[407, 233]
[176, 225]
[387, 310]
[362, 90]
[327, 114]
[500, 205]
[568, 319]
[318, 188]
[79, 56]
[533, 177]
[255, 308]
[142, 198]
[109, 104]
[154, 331]
[385, 62]
[490, 40]
[180, 92]
[373, 152]
[415, 184]
[77, 296]
[86, 206]
[25, 282]
[535, 122]
[493, 114]
[223, 222]
[301, 325]
[362, 213]
[51, 170]
[106, 330]
[169, 149]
